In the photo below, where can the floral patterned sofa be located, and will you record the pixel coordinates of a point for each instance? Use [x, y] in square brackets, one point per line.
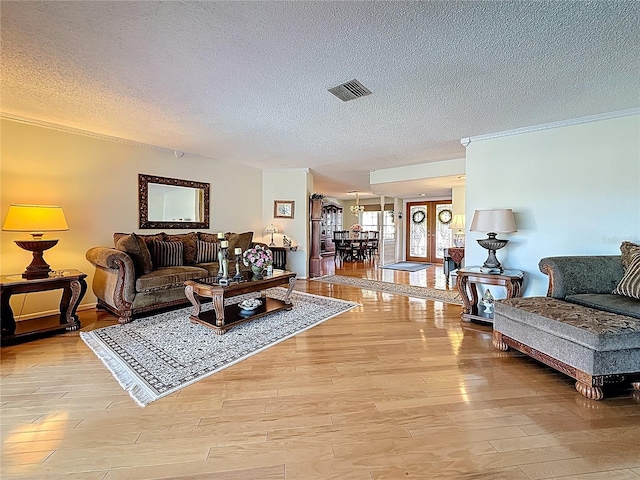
[143, 273]
[588, 325]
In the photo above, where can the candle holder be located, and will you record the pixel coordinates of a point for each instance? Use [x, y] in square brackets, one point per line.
[238, 276]
[223, 259]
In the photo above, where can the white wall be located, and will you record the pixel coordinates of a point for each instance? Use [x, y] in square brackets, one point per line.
[575, 190]
[96, 183]
[288, 184]
[442, 168]
[458, 195]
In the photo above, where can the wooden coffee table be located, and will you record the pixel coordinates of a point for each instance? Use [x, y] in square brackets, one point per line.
[222, 318]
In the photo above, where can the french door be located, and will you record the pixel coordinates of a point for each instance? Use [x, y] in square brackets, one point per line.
[427, 230]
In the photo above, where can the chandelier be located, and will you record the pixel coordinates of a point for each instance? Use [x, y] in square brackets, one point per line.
[356, 209]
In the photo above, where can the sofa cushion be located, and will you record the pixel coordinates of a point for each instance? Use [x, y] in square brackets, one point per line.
[207, 251]
[213, 268]
[190, 248]
[629, 286]
[137, 249]
[168, 254]
[608, 303]
[242, 240]
[168, 277]
[593, 328]
[148, 239]
[595, 342]
[628, 250]
[208, 237]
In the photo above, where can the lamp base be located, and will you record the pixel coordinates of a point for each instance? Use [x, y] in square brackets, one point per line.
[38, 268]
[492, 244]
[458, 239]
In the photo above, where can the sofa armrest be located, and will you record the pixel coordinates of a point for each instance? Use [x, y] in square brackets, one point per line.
[115, 277]
[572, 275]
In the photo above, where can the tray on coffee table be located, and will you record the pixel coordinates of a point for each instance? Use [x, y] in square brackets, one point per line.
[222, 318]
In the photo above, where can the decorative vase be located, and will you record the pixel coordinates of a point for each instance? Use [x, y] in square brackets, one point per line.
[257, 272]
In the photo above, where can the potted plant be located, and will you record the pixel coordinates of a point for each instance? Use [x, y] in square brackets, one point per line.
[258, 258]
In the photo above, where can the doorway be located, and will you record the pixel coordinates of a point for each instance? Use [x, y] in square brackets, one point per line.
[427, 230]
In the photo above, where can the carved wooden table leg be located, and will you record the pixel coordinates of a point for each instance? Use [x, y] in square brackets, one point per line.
[217, 299]
[68, 306]
[514, 288]
[463, 283]
[188, 292]
[6, 315]
[292, 284]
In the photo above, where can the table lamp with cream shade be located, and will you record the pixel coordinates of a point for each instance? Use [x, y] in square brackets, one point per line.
[271, 229]
[493, 222]
[457, 225]
[35, 219]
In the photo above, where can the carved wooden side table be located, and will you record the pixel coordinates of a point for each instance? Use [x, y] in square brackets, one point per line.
[280, 256]
[452, 260]
[73, 285]
[469, 277]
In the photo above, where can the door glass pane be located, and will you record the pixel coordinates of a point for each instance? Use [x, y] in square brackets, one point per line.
[443, 232]
[418, 231]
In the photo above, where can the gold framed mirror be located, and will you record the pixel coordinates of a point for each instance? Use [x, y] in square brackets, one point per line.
[172, 203]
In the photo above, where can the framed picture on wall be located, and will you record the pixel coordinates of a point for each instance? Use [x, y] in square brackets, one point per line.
[283, 208]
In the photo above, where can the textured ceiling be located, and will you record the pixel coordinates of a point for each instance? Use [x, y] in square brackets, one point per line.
[247, 82]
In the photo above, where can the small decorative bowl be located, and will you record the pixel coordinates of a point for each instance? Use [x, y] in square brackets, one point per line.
[251, 304]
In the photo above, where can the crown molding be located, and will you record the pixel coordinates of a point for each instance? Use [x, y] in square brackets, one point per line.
[86, 133]
[546, 126]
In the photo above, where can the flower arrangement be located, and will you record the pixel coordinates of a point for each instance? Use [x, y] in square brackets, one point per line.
[258, 256]
[356, 227]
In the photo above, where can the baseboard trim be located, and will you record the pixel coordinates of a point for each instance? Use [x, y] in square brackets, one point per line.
[47, 313]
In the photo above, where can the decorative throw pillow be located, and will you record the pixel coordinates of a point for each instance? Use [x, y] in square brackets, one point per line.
[190, 249]
[148, 239]
[137, 249]
[628, 249]
[207, 252]
[208, 237]
[629, 286]
[168, 254]
[242, 240]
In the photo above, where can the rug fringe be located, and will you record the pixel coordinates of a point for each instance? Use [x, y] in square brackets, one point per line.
[118, 369]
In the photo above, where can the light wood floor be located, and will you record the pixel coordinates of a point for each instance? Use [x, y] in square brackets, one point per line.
[397, 388]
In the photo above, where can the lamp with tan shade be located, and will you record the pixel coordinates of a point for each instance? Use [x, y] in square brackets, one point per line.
[493, 222]
[457, 226]
[35, 219]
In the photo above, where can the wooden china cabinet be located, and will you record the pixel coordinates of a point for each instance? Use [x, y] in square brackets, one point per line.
[331, 221]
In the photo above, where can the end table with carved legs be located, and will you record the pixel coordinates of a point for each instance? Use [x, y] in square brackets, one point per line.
[469, 277]
[73, 285]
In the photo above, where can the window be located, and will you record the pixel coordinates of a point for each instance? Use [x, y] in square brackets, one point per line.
[389, 225]
[369, 221]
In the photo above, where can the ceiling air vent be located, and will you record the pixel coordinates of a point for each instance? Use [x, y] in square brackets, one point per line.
[350, 90]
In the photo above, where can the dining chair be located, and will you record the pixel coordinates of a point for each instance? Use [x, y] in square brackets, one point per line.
[342, 244]
[372, 244]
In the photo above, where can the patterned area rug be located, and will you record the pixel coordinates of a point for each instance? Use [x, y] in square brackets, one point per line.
[158, 355]
[447, 296]
[407, 266]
